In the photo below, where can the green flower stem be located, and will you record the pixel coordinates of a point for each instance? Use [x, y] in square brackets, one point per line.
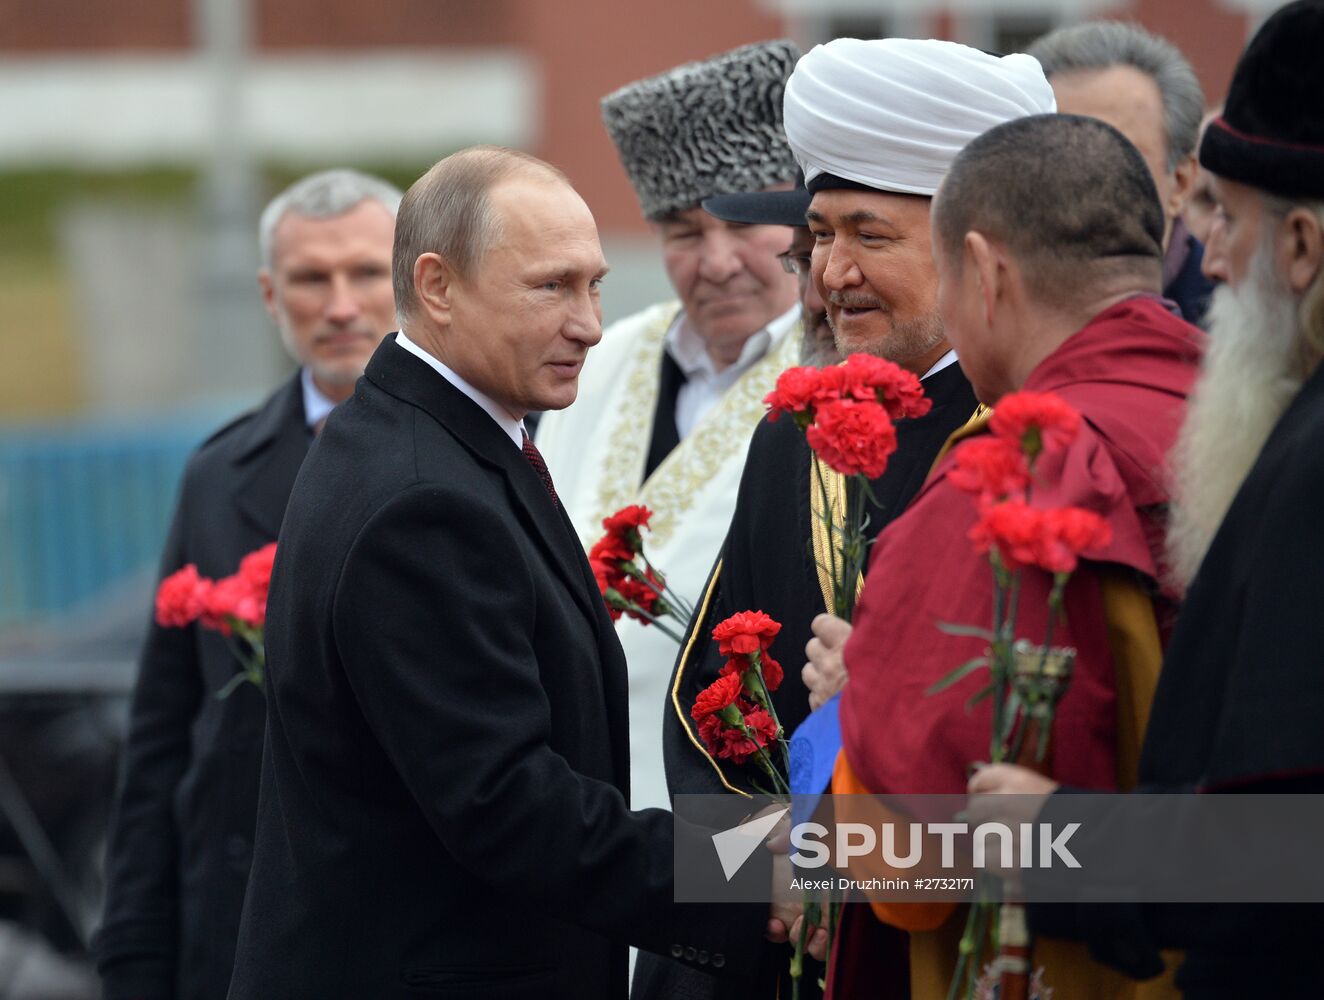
[667, 595]
[756, 661]
[662, 627]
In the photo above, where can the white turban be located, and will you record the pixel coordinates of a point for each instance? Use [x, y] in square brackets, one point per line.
[893, 113]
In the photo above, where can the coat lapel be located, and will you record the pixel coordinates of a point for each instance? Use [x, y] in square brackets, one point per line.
[409, 378]
[268, 460]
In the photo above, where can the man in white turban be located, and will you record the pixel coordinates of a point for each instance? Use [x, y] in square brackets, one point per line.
[888, 116]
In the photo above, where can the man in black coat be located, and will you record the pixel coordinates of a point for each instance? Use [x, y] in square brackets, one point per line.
[1239, 707]
[445, 783]
[181, 840]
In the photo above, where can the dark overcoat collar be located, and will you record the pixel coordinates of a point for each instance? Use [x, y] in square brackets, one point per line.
[413, 381]
[269, 451]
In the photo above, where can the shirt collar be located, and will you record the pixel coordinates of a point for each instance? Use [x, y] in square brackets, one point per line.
[689, 350]
[513, 428]
[316, 404]
[947, 359]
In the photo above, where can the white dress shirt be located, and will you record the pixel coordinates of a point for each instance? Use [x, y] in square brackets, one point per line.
[704, 384]
[316, 404]
[947, 359]
[514, 429]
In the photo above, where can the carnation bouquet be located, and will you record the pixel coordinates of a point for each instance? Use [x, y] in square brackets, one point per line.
[234, 606]
[847, 415]
[629, 583]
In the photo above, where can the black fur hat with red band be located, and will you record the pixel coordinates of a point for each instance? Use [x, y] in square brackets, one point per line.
[1271, 133]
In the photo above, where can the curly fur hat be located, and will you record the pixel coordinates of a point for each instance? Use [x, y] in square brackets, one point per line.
[704, 128]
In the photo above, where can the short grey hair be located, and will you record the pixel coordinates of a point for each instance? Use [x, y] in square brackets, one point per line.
[323, 195]
[447, 211]
[1103, 44]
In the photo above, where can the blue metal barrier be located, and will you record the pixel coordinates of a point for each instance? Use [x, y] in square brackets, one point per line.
[84, 506]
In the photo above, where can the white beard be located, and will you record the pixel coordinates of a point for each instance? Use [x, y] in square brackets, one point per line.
[1252, 370]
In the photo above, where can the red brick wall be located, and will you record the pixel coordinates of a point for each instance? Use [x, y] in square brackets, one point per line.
[603, 45]
[47, 26]
[345, 24]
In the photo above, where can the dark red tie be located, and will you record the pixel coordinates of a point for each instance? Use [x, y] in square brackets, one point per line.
[534, 456]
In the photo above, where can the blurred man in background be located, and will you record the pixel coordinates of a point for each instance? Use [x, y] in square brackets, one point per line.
[669, 399]
[1144, 87]
[181, 839]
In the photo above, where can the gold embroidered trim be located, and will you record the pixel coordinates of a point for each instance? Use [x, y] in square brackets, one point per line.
[820, 536]
[671, 490]
[623, 468]
[697, 627]
[975, 425]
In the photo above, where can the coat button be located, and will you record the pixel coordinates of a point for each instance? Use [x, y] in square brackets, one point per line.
[677, 951]
[703, 958]
[691, 954]
[719, 960]
[237, 846]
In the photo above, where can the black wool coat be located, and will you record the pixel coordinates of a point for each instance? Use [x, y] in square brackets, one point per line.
[445, 784]
[181, 838]
[1239, 708]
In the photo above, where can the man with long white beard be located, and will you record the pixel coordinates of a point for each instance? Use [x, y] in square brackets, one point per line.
[1239, 705]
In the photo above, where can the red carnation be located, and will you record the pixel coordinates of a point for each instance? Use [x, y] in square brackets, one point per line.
[234, 598]
[711, 728]
[255, 568]
[795, 391]
[853, 438]
[738, 743]
[633, 517]
[1014, 528]
[622, 541]
[1067, 532]
[991, 468]
[763, 726]
[716, 696]
[772, 673]
[182, 597]
[611, 549]
[871, 379]
[1033, 421]
[745, 632]
[639, 593]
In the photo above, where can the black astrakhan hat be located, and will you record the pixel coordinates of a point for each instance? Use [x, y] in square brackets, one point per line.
[704, 128]
[1271, 133]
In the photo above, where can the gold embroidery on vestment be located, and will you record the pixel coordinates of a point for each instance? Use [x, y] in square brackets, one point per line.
[671, 490]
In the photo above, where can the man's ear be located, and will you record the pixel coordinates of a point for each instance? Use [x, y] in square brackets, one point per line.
[982, 258]
[1302, 249]
[267, 287]
[434, 281]
[1183, 183]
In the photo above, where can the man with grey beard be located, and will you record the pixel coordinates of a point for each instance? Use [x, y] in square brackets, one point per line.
[1239, 705]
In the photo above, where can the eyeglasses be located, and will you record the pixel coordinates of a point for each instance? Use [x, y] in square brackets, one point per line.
[794, 263]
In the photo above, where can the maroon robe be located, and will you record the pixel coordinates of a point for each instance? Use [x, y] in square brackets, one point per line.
[1127, 372]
